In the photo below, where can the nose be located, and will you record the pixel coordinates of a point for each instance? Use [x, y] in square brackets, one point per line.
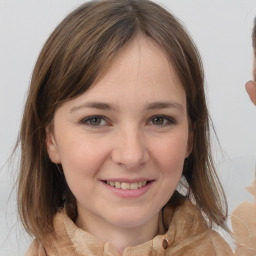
[130, 150]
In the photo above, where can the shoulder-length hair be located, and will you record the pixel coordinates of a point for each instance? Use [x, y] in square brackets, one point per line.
[77, 51]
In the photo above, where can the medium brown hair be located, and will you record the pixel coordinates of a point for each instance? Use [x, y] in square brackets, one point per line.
[78, 50]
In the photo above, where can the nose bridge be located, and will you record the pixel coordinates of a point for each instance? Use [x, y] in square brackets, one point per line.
[130, 148]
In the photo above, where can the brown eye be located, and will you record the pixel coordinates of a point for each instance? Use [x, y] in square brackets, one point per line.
[158, 120]
[94, 121]
[162, 120]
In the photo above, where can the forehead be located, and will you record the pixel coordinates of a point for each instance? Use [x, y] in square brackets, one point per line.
[141, 62]
[141, 74]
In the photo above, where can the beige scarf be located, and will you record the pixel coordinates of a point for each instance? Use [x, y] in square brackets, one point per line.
[244, 226]
[187, 234]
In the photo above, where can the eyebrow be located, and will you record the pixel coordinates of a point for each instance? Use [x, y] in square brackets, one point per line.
[96, 105]
[162, 105]
[152, 106]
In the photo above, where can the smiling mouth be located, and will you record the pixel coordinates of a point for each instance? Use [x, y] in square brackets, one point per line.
[126, 186]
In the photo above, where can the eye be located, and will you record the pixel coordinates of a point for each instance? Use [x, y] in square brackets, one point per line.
[94, 121]
[160, 120]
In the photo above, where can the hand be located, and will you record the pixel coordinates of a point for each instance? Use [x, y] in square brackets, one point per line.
[251, 90]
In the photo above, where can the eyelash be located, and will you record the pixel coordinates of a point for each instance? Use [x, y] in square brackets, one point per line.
[167, 120]
[87, 120]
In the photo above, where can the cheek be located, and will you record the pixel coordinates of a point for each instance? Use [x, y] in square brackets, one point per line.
[169, 161]
[81, 162]
[80, 157]
[170, 154]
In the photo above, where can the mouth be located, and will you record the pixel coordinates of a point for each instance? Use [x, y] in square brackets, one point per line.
[127, 185]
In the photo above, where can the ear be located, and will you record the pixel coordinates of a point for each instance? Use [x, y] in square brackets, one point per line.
[251, 90]
[190, 143]
[51, 146]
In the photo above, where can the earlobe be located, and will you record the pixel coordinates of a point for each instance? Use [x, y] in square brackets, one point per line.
[51, 146]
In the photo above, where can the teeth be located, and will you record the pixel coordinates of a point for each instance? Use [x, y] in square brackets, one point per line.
[117, 184]
[125, 185]
[134, 186]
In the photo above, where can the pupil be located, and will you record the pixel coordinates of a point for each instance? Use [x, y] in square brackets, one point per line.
[95, 121]
[158, 120]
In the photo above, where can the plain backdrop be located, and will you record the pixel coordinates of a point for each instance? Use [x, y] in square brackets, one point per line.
[222, 32]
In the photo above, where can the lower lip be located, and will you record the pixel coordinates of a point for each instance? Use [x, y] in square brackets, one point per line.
[129, 193]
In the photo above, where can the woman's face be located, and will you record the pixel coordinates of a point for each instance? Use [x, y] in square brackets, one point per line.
[122, 143]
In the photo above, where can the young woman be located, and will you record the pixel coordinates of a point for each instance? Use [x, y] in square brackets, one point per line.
[115, 139]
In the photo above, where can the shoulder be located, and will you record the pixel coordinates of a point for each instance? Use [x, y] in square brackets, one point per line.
[243, 221]
[36, 249]
[189, 233]
[208, 243]
[59, 241]
[219, 244]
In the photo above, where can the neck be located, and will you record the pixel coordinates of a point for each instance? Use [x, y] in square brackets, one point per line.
[120, 237]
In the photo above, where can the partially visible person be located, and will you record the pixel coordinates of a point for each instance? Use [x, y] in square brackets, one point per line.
[244, 216]
[251, 85]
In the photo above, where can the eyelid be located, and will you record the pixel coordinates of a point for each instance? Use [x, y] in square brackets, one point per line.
[85, 120]
[171, 120]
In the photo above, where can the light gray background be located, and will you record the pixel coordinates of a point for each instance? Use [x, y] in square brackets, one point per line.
[222, 32]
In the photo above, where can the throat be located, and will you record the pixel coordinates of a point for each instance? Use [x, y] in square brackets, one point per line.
[121, 237]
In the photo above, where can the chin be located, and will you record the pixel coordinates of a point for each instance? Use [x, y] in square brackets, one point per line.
[132, 218]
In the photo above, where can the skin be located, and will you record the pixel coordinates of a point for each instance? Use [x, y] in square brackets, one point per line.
[251, 85]
[142, 134]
